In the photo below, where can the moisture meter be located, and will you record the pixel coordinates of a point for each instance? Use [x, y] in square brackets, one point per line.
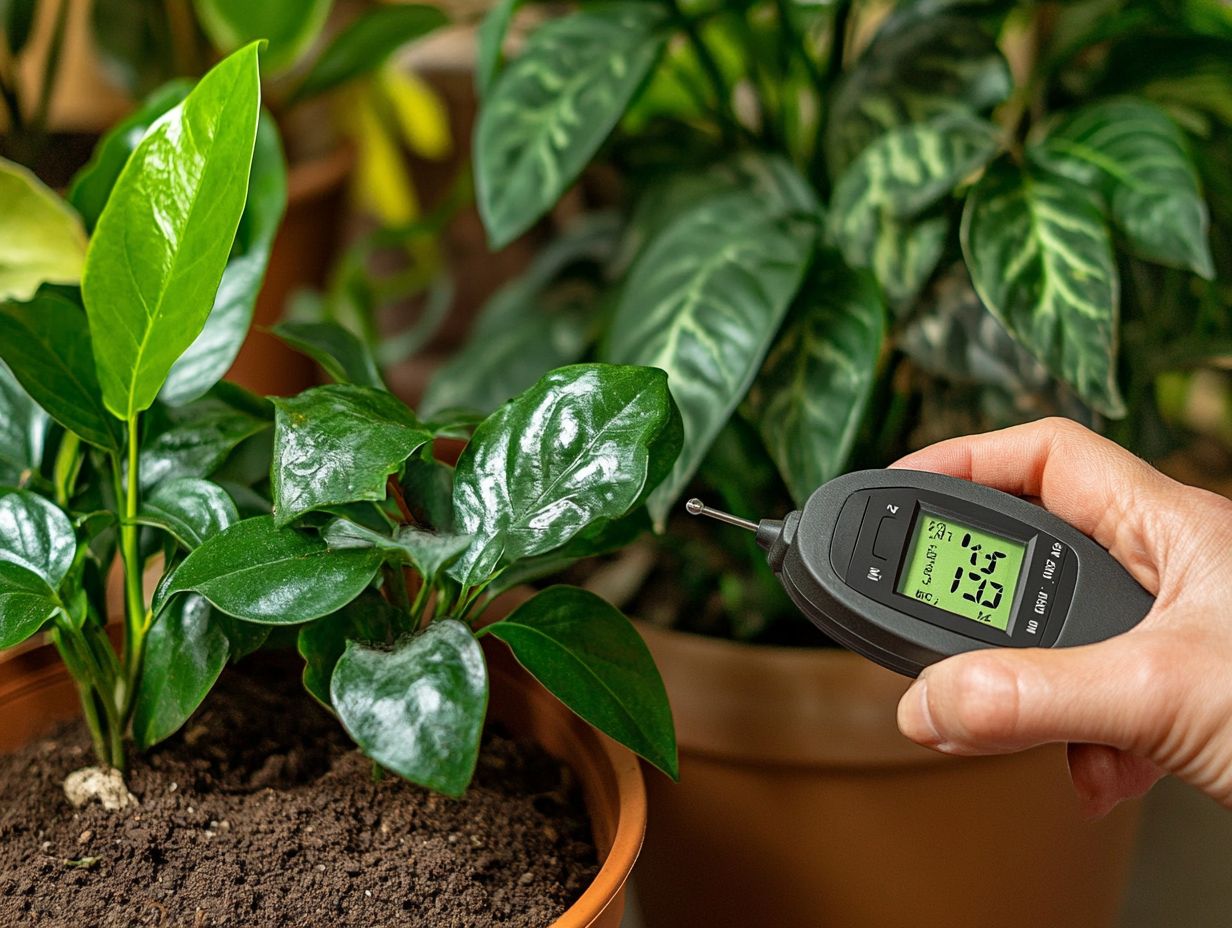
[907, 568]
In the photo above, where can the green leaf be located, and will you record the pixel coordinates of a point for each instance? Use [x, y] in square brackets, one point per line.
[428, 552]
[338, 350]
[906, 253]
[921, 63]
[213, 352]
[23, 431]
[1137, 157]
[259, 572]
[16, 22]
[591, 658]
[902, 173]
[367, 42]
[703, 302]
[46, 342]
[162, 241]
[290, 27]
[338, 444]
[427, 487]
[41, 239]
[190, 509]
[489, 39]
[550, 110]
[575, 448]
[26, 602]
[92, 185]
[37, 535]
[1041, 260]
[185, 651]
[417, 709]
[810, 397]
[369, 620]
[194, 440]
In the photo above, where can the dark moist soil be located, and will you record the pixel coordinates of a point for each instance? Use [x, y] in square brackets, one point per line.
[261, 813]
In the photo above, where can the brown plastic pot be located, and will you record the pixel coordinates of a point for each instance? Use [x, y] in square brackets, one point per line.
[36, 692]
[800, 804]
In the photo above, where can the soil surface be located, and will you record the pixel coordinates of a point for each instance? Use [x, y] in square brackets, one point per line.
[261, 813]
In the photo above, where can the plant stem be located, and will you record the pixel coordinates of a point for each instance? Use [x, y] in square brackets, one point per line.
[728, 124]
[838, 43]
[85, 688]
[135, 624]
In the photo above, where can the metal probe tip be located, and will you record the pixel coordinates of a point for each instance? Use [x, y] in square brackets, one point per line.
[695, 507]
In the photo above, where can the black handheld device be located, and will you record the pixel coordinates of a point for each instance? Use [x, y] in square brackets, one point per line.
[907, 568]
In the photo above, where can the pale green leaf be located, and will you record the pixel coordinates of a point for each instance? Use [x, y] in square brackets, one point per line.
[41, 239]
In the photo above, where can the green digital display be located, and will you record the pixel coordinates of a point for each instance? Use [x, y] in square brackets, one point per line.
[963, 570]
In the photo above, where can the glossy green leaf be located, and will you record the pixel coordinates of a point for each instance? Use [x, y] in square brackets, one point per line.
[590, 657]
[290, 26]
[417, 709]
[811, 395]
[37, 535]
[23, 431]
[162, 241]
[338, 444]
[194, 440]
[428, 552]
[213, 351]
[366, 43]
[26, 602]
[576, 448]
[1040, 257]
[906, 253]
[369, 620]
[1137, 157]
[17, 22]
[185, 651]
[489, 40]
[550, 110]
[427, 488]
[41, 239]
[92, 185]
[703, 303]
[46, 343]
[276, 576]
[338, 350]
[190, 509]
[921, 63]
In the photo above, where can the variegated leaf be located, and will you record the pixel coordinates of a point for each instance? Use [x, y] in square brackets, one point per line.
[1040, 257]
[904, 254]
[1136, 156]
[813, 389]
[551, 109]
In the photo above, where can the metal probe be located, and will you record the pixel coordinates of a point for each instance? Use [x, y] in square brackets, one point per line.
[695, 507]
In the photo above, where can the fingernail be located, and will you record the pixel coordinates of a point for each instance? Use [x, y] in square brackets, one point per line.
[915, 719]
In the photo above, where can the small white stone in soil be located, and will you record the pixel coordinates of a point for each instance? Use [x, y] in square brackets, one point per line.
[85, 836]
[104, 784]
[368, 893]
[173, 787]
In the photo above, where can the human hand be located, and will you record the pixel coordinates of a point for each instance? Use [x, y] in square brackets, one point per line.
[1155, 700]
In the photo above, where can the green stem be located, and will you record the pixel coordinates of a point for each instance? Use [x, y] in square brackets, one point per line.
[85, 689]
[728, 124]
[135, 615]
[838, 43]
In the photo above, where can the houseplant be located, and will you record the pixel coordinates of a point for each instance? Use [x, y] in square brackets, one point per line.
[856, 228]
[101, 472]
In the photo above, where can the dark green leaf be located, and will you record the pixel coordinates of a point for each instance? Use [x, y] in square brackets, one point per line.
[131, 39]
[92, 184]
[17, 23]
[162, 241]
[338, 350]
[1041, 260]
[591, 658]
[192, 510]
[489, 38]
[921, 63]
[1137, 157]
[37, 535]
[244, 637]
[551, 109]
[338, 444]
[26, 602]
[574, 449]
[185, 651]
[417, 709]
[369, 620]
[906, 254]
[41, 239]
[23, 431]
[810, 397]
[290, 26]
[364, 45]
[211, 355]
[46, 342]
[703, 303]
[194, 440]
[428, 552]
[427, 487]
[276, 576]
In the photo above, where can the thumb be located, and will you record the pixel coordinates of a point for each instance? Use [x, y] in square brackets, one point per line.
[998, 701]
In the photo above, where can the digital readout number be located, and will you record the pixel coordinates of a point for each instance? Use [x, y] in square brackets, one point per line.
[982, 589]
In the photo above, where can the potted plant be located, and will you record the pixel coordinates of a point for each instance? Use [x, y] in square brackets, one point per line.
[326, 518]
[855, 229]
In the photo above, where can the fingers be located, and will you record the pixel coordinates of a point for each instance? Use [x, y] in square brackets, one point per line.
[1003, 700]
[1104, 776]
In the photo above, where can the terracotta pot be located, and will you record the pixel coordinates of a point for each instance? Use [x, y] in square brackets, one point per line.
[36, 692]
[800, 804]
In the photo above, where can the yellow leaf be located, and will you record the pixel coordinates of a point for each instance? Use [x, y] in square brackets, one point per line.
[420, 112]
[381, 181]
[41, 238]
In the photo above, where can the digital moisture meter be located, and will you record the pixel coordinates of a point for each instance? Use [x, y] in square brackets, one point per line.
[907, 568]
